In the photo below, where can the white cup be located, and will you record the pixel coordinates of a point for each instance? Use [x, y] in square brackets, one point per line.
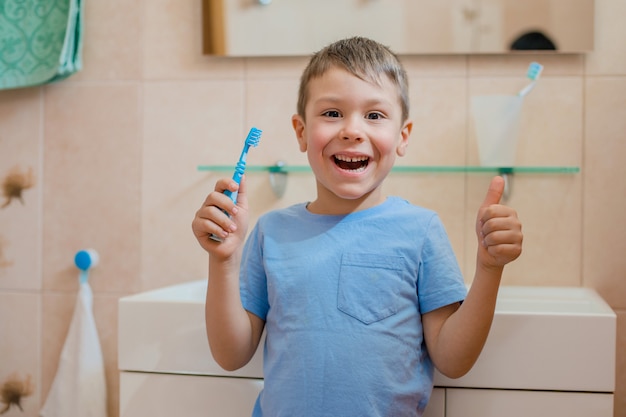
[497, 120]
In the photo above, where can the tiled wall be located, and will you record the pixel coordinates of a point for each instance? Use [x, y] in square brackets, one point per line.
[114, 149]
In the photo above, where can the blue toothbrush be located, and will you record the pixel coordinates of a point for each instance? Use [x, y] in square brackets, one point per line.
[533, 73]
[253, 138]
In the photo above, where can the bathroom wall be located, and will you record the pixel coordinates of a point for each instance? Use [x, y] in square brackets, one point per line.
[107, 160]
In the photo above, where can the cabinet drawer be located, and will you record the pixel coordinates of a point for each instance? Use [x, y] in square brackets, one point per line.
[145, 394]
[505, 403]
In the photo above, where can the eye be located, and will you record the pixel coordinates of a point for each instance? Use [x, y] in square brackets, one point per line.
[331, 113]
[374, 116]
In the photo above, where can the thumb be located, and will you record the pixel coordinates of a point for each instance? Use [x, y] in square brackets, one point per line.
[494, 194]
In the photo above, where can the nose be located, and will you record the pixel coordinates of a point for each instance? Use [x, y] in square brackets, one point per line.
[352, 129]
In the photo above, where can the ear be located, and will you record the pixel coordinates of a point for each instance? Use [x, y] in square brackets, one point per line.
[298, 126]
[405, 132]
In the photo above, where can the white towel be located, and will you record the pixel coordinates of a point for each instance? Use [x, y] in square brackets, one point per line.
[79, 387]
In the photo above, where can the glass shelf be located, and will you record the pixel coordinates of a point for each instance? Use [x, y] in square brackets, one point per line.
[278, 173]
[426, 169]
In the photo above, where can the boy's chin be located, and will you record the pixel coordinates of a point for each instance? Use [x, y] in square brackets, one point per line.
[356, 194]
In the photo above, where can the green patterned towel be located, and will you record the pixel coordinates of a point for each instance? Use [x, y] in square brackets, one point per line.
[40, 41]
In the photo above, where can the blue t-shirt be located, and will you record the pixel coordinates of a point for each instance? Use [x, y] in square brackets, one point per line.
[342, 298]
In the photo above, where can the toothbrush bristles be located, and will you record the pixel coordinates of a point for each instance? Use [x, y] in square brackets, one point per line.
[254, 136]
[534, 70]
[533, 73]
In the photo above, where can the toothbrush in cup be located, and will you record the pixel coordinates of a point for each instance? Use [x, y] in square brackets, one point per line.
[253, 138]
[533, 73]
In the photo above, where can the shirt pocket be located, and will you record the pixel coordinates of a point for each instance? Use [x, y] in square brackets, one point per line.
[369, 286]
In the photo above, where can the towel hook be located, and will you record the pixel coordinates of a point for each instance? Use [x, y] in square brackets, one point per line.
[84, 260]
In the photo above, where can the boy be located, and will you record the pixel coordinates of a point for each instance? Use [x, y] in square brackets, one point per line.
[360, 294]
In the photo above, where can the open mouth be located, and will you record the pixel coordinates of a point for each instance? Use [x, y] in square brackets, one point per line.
[351, 163]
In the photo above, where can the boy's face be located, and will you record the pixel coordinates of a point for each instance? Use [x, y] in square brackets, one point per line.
[352, 135]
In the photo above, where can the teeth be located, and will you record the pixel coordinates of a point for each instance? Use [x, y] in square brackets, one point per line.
[352, 163]
[351, 159]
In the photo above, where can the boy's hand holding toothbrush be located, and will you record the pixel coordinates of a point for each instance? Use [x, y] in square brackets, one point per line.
[220, 216]
[498, 230]
[217, 220]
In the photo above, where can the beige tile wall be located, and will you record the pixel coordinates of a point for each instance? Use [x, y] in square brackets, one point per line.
[114, 149]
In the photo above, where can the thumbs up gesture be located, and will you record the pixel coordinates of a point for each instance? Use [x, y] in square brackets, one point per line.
[498, 229]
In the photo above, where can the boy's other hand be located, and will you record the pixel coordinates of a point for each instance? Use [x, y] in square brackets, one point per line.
[498, 229]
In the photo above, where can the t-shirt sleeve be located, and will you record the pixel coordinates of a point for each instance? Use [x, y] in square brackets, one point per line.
[252, 278]
[440, 281]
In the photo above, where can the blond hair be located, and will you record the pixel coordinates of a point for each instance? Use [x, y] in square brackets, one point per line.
[361, 57]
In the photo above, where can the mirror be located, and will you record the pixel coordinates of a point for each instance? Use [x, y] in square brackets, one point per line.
[300, 27]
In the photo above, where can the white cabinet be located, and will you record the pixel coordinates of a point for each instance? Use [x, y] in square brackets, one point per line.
[499, 403]
[550, 352]
[169, 395]
[544, 338]
[166, 368]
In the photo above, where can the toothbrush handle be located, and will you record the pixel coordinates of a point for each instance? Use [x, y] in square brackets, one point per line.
[527, 89]
[239, 170]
